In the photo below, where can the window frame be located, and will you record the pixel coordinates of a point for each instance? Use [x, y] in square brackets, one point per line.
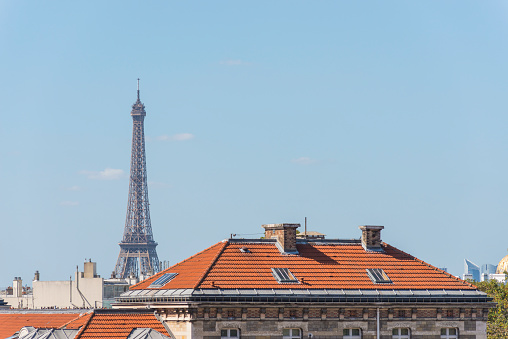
[448, 335]
[400, 335]
[284, 275]
[350, 334]
[291, 335]
[229, 333]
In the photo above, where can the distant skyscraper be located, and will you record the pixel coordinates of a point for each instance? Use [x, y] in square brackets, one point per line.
[471, 270]
[488, 269]
[137, 249]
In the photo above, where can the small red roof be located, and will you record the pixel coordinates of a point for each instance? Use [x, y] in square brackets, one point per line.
[76, 323]
[94, 324]
[118, 324]
[319, 265]
[10, 323]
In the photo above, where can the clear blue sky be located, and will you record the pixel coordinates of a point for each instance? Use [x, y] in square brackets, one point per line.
[390, 113]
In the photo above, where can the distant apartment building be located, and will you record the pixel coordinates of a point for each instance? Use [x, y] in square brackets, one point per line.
[87, 290]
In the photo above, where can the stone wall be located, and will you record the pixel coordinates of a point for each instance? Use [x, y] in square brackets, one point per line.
[323, 322]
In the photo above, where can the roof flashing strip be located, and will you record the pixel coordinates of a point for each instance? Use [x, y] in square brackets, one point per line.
[378, 276]
[163, 280]
[284, 276]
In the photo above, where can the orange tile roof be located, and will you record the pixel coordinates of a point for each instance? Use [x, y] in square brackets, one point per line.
[94, 324]
[10, 323]
[118, 324]
[319, 265]
[76, 323]
[191, 271]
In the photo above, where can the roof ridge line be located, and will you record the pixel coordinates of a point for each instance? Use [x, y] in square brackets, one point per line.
[79, 316]
[434, 267]
[177, 264]
[211, 264]
[85, 325]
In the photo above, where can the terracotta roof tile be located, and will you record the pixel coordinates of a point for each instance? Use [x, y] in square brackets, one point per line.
[107, 324]
[190, 271]
[76, 323]
[10, 323]
[319, 265]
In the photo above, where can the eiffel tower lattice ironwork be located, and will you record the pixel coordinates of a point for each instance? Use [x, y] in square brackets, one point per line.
[137, 249]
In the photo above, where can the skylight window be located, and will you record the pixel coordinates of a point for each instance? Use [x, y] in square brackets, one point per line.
[284, 275]
[163, 280]
[378, 276]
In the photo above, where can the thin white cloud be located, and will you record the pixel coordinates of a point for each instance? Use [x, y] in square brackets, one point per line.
[73, 188]
[235, 62]
[176, 137]
[107, 174]
[69, 203]
[303, 161]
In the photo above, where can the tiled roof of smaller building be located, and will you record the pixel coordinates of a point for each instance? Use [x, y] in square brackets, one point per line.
[100, 323]
[12, 321]
[319, 265]
[77, 322]
[118, 323]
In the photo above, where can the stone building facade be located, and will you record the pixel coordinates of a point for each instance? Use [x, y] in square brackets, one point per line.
[286, 287]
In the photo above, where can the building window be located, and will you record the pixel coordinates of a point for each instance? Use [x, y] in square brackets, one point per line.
[351, 333]
[449, 333]
[230, 333]
[291, 333]
[292, 314]
[400, 333]
[449, 313]
[231, 314]
[402, 314]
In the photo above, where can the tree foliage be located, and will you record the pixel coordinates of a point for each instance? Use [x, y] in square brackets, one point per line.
[497, 325]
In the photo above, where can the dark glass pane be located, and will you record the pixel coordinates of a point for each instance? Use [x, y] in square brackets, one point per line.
[356, 331]
[404, 331]
[233, 333]
[395, 331]
[453, 331]
[443, 331]
[345, 331]
[284, 331]
[224, 333]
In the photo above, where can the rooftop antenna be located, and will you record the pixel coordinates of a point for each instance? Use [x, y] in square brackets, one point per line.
[305, 227]
[138, 88]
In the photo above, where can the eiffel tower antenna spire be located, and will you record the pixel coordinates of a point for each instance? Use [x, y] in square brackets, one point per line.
[138, 88]
[137, 248]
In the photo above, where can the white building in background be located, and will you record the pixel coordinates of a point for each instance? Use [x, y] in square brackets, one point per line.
[486, 271]
[87, 290]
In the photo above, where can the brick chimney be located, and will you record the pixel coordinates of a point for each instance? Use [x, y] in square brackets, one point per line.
[285, 235]
[371, 237]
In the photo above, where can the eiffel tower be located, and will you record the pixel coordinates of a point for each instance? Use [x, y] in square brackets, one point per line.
[137, 249]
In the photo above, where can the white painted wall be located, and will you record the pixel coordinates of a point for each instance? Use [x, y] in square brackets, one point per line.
[82, 292]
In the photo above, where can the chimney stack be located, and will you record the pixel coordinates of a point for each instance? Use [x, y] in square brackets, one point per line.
[285, 235]
[371, 237]
[90, 269]
[17, 287]
[37, 276]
